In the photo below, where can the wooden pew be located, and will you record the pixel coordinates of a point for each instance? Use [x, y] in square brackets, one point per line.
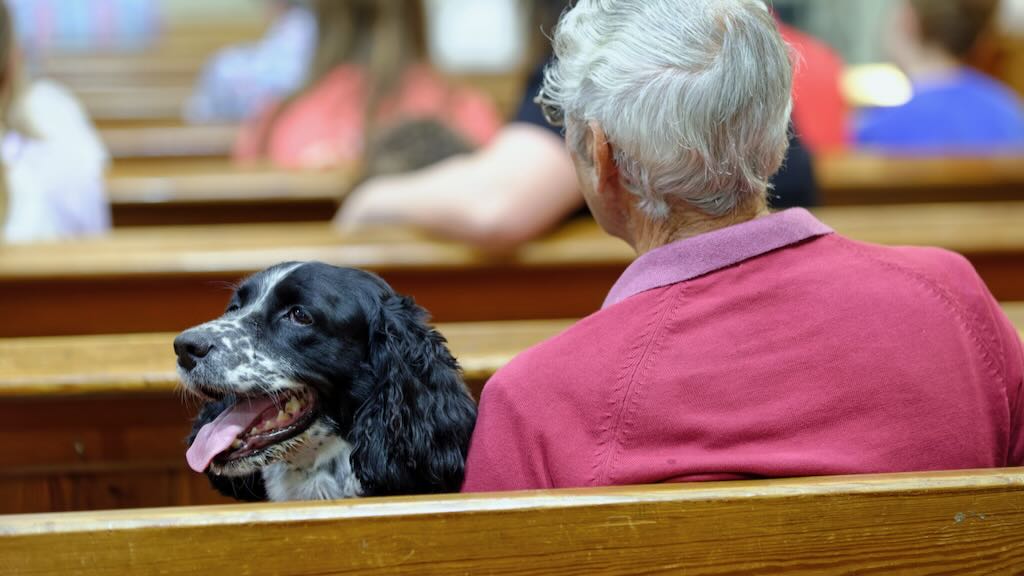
[964, 522]
[165, 279]
[172, 175]
[128, 145]
[92, 422]
[137, 88]
[867, 179]
[193, 191]
[98, 422]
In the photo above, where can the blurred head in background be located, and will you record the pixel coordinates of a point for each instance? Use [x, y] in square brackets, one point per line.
[931, 35]
[676, 113]
[369, 71]
[385, 37]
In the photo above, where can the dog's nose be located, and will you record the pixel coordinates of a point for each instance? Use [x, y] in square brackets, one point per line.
[191, 346]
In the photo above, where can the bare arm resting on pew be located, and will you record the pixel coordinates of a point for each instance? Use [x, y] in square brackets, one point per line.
[522, 184]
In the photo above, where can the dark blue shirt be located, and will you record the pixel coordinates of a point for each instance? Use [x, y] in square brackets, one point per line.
[967, 112]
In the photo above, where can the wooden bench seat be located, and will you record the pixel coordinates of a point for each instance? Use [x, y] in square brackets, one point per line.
[965, 522]
[194, 191]
[166, 279]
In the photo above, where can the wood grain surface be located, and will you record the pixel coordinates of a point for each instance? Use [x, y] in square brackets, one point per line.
[869, 179]
[931, 523]
[169, 278]
[99, 422]
[144, 363]
[191, 191]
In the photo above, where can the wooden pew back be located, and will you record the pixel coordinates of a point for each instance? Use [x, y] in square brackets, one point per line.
[95, 422]
[166, 279]
[868, 179]
[952, 522]
[181, 163]
[98, 422]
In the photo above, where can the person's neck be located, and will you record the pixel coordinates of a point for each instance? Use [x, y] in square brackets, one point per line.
[931, 63]
[646, 234]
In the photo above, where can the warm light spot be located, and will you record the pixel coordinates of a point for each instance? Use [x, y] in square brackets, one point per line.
[871, 85]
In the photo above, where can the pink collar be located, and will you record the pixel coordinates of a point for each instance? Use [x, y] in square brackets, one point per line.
[694, 257]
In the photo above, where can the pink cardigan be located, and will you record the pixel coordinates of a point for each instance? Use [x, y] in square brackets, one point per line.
[325, 126]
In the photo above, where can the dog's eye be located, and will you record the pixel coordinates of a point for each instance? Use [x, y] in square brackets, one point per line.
[233, 308]
[300, 316]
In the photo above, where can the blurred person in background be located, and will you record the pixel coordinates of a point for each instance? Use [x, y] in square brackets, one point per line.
[954, 107]
[53, 161]
[369, 73]
[240, 81]
[523, 184]
[514, 189]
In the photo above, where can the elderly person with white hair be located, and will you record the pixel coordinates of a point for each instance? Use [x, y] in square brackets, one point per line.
[740, 343]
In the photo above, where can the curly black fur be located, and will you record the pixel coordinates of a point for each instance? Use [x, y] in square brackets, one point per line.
[385, 379]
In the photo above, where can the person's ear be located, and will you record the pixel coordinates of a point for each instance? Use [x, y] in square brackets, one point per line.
[602, 157]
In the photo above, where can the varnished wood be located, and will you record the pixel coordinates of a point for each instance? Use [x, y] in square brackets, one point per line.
[871, 180]
[1015, 311]
[72, 366]
[99, 422]
[169, 141]
[145, 363]
[164, 171]
[94, 422]
[215, 192]
[166, 279]
[956, 522]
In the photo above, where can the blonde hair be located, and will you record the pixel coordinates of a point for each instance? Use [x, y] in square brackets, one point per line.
[385, 37]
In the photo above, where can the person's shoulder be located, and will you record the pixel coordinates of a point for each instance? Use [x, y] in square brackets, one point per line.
[44, 98]
[57, 119]
[943, 272]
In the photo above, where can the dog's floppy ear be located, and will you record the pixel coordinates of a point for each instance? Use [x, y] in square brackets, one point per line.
[246, 488]
[412, 432]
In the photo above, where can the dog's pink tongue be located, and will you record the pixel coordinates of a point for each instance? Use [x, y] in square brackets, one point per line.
[218, 435]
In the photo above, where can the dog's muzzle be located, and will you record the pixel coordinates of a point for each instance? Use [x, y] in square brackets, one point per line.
[191, 347]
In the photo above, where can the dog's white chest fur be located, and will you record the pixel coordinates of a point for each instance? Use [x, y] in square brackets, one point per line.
[322, 473]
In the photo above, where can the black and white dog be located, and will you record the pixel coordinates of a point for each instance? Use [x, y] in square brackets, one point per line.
[323, 383]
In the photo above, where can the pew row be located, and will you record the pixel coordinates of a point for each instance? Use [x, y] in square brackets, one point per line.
[140, 364]
[166, 279]
[82, 366]
[867, 179]
[214, 192]
[185, 165]
[965, 522]
[98, 422]
[171, 141]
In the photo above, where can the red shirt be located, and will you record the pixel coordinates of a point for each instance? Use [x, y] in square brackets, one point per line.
[774, 348]
[820, 112]
[324, 127]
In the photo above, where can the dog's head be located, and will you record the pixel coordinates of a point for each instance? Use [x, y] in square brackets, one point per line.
[306, 350]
